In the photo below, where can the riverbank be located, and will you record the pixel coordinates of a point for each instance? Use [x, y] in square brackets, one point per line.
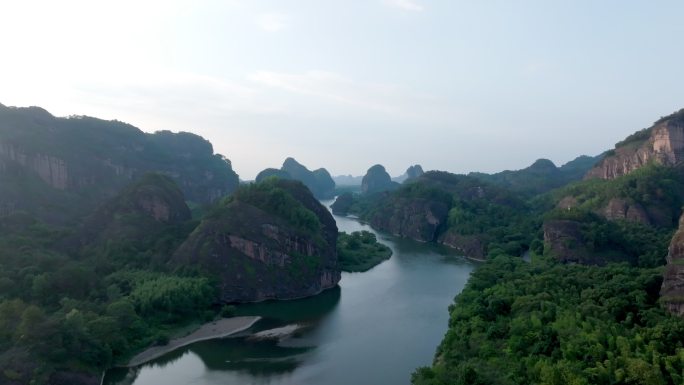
[217, 329]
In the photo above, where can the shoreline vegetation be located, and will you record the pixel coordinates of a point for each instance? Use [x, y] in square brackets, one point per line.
[360, 251]
[209, 331]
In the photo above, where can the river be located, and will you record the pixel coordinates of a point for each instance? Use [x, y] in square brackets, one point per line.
[377, 327]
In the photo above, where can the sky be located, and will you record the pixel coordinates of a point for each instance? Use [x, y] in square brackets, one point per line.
[456, 85]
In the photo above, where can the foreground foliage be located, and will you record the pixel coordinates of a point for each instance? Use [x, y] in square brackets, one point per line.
[547, 323]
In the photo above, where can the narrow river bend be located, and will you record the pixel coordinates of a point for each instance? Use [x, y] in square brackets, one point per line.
[376, 328]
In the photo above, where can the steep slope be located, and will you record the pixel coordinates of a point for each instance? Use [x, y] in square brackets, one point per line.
[411, 173]
[458, 211]
[672, 290]
[271, 240]
[146, 219]
[377, 180]
[62, 168]
[652, 195]
[662, 143]
[318, 181]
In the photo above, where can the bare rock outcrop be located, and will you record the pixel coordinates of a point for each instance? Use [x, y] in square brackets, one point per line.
[622, 209]
[663, 144]
[418, 218]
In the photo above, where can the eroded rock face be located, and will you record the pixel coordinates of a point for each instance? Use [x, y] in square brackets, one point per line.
[61, 169]
[563, 240]
[664, 146]
[672, 290]
[50, 169]
[469, 245]
[622, 209]
[418, 219]
[256, 255]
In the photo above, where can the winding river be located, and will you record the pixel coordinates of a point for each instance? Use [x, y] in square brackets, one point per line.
[377, 327]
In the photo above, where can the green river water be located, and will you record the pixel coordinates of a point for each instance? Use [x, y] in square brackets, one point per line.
[376, 328]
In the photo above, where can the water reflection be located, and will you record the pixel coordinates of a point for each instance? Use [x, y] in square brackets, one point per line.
[376, 328]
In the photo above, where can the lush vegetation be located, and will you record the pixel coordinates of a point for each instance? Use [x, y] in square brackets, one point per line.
[540, 177]
[658, 189]
[548, 323]
[272, 196]
[81, 298]
[500, 220]
[360, 251]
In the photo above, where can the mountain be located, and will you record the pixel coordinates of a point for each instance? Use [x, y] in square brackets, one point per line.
[150, 214]
[270, 240]
[318, 181]
[347, 180]
[411, 173]
[541, 176]
[269, 172]
[377, 180]
[62, 168]
[458, 211]
[662, 143]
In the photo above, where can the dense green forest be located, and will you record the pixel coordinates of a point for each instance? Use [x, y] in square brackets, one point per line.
[79, 299]
[360, 251]
[587, 308]
[550, 323]
[68, 306]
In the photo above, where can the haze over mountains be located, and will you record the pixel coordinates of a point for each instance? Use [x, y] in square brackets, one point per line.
[104, 225]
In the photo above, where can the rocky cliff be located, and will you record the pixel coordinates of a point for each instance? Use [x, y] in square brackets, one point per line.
[672, 290]
[458, 211]
[663, 144]
[272, 240]
[62, 168]
[652, 195]
[377, 180]
[419, 219]
[563, 240]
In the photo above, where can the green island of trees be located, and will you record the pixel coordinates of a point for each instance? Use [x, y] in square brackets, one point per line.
[360, 251]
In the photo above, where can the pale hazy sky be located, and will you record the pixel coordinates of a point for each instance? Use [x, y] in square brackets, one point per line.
[454, 85]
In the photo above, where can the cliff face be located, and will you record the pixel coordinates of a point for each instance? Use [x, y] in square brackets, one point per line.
[62, 168]
[563, 240]
[377, 180]
[419, 219]
[469, 245]
[256, 253]
[569, 241]
[672, 290]
[663, 144]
